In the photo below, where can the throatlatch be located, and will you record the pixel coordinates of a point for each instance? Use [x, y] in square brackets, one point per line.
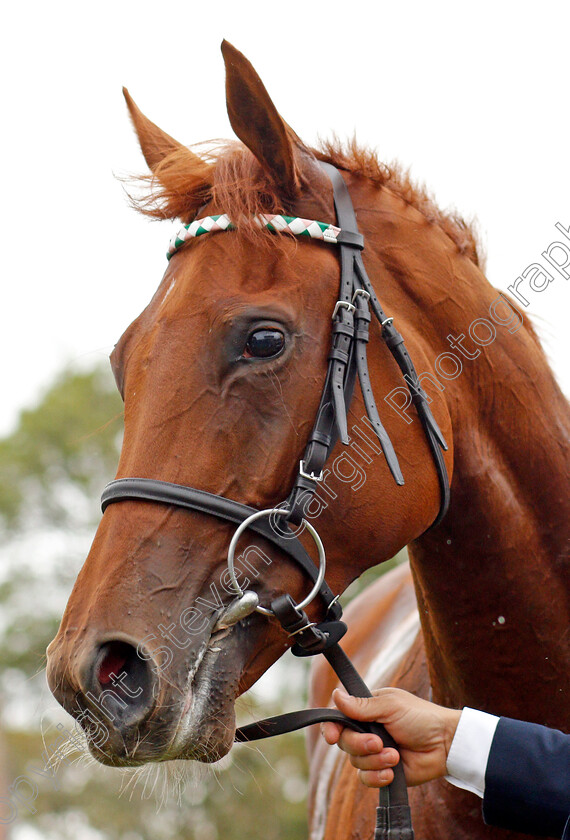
[356, 304]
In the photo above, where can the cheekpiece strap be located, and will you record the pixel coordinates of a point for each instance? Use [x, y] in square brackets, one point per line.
[357, 303]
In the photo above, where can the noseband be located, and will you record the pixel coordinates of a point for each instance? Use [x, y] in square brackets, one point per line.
[353, 311]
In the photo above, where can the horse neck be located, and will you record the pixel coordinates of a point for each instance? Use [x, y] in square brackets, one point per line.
[493, 580]
[493, 586]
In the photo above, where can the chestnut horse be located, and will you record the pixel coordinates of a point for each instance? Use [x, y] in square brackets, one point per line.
[221, 377]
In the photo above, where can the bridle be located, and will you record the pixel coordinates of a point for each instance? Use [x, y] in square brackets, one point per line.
[357, 303]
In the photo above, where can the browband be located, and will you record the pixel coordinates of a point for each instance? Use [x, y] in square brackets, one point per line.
[274, 223]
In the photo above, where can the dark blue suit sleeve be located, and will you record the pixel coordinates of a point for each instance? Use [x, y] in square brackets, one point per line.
[527, 782]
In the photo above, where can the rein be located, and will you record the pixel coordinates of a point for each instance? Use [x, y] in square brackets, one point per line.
[353, 312]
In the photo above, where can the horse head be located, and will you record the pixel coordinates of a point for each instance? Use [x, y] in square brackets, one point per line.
[221, 377]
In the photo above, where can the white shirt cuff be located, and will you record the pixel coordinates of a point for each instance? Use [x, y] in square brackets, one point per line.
[469, 752]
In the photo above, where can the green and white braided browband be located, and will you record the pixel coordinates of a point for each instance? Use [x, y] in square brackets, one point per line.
[287, 224]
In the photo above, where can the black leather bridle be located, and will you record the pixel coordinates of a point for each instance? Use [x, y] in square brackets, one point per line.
[357, 303]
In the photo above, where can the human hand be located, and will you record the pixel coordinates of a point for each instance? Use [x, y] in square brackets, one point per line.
[422, 730]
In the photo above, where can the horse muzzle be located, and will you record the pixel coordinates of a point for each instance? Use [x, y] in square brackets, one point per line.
[136, 706]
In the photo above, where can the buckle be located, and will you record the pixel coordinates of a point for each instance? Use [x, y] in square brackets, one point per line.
[342, 304]
[312, 476]
[363, 292]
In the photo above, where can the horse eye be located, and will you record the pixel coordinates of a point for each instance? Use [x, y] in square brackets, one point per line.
[264, 344]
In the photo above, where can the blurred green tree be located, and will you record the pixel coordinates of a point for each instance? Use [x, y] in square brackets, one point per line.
[64, 448]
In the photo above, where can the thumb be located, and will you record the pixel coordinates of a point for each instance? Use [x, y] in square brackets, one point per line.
[359, 708]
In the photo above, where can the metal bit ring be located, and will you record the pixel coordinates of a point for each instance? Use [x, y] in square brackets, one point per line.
[312, 531]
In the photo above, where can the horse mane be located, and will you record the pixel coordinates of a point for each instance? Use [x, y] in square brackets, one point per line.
[364, 161]
[228, 174]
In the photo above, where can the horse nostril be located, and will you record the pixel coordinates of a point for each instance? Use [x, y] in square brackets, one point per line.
[114, 657]
[123, 683]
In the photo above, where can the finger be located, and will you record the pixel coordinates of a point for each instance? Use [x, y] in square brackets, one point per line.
[331, 732]
[362, 708]
[376, 761]
[354, 743]
[376, 778]
[359, 743]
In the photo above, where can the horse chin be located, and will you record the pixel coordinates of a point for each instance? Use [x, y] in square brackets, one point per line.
[207, 721]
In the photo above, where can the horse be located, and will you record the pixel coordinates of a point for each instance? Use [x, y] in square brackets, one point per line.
[221, 377]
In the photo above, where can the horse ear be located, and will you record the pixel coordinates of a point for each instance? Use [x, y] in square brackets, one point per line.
[256, 122]
[155, 143]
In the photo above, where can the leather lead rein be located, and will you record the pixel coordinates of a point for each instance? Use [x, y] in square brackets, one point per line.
[393, 816]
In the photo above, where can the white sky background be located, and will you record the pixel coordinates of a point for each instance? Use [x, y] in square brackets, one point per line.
[474, 97]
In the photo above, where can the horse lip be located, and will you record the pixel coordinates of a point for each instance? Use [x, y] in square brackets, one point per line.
[197, 690]
[211, 646]
[194, 713]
